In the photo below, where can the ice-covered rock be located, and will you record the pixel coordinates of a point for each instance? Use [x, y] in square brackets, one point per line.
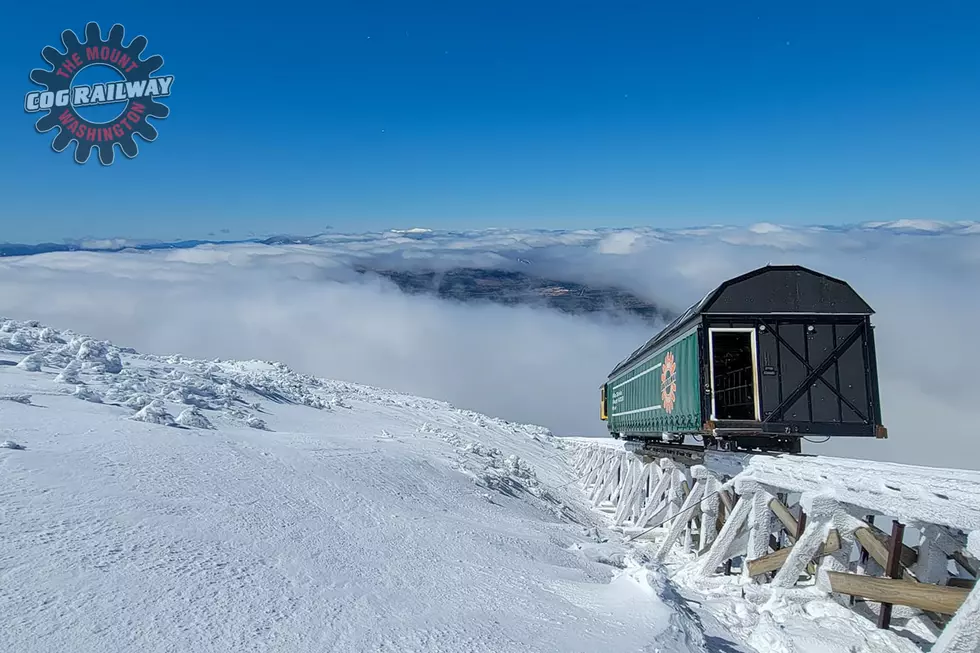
[256, 423]
[32, 362]
[87, 393]
[193, 418]
[138, 401]
[48, 334]
[98, 356]
[70, 373]
[154, 413]
[22, 340]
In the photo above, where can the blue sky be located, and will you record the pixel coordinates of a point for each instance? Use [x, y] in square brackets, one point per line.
[368, 115]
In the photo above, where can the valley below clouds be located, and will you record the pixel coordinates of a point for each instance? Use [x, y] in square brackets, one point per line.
[319, 305]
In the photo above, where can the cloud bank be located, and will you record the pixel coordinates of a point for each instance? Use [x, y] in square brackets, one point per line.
[304, 304]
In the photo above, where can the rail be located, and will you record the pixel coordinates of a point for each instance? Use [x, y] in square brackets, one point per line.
[783, 515]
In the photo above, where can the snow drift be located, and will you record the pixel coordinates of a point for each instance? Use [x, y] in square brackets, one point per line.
[167, 504]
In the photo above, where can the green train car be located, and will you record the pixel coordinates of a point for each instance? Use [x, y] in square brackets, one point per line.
[764, 359]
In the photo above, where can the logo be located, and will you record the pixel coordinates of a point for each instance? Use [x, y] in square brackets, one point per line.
[668, 382]
[99, 94]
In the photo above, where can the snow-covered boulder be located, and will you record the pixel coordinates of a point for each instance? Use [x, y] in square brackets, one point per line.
[87, 393]
[70, 373]
[98, 356]
[32, 362]
[193, 418]
[154, 413]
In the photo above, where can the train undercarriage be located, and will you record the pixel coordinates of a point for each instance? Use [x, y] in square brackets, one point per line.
[676, 447]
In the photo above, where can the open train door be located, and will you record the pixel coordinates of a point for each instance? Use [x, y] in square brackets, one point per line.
[733, 374]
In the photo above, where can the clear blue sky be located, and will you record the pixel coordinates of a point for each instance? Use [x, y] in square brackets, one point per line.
[287, 117]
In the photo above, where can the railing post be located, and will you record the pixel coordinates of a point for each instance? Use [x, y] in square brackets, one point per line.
[893, 569]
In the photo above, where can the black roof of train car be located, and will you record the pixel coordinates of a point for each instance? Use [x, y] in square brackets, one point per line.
[769, 290]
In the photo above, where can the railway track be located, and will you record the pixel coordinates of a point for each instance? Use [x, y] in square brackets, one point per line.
[728, 463]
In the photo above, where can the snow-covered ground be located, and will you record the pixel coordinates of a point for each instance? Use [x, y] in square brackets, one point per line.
[153, 503]
[163, 504]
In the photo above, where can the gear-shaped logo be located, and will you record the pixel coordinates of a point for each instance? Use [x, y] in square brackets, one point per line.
[668, 382]
[103, 124]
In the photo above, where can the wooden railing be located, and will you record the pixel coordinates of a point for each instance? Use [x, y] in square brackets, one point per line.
[747, 516]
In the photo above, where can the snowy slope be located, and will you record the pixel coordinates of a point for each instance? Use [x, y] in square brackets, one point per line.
[166, 504]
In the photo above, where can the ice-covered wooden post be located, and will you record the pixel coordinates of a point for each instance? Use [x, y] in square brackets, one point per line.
[631, 506]
[760, 522]
[709, 508]
[654, 507]
[606, 480]
[719, 551]
[684, 515]
[597, 463]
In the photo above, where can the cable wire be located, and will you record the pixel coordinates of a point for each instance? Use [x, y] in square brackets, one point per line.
[703, 499]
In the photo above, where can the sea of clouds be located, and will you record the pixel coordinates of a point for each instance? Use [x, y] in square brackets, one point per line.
[304, 304]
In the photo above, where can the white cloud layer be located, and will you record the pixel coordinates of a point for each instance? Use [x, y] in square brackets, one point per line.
[303, 304]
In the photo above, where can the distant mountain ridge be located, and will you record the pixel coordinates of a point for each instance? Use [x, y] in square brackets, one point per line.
[462, 284]
[512, 288]
[897, 227]
[515, 281]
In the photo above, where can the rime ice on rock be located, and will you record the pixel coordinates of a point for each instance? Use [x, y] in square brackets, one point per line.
[21, 341]
[32, 362]
[10, 444]
[138, 401]
[48, 334]
[154, 413]
[70, 373]
[97, 356]
[256, 423]
[194, 418]
[87, 393]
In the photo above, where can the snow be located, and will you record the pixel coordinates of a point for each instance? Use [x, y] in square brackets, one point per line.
[159, 503]
[912, 493]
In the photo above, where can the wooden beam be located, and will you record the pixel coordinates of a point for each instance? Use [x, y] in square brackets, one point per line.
[935, 598]
[965, 583]
[786, 518]
[875, 541]
[774, 561]
[874, 544]
[726, 499]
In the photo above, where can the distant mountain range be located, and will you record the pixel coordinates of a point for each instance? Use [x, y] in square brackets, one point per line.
[462, 284]
[518, 288]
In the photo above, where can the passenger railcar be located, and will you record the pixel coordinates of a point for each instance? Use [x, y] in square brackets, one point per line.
[764, 359]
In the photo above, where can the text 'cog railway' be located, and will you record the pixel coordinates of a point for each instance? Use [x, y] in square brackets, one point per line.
[133, 83]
